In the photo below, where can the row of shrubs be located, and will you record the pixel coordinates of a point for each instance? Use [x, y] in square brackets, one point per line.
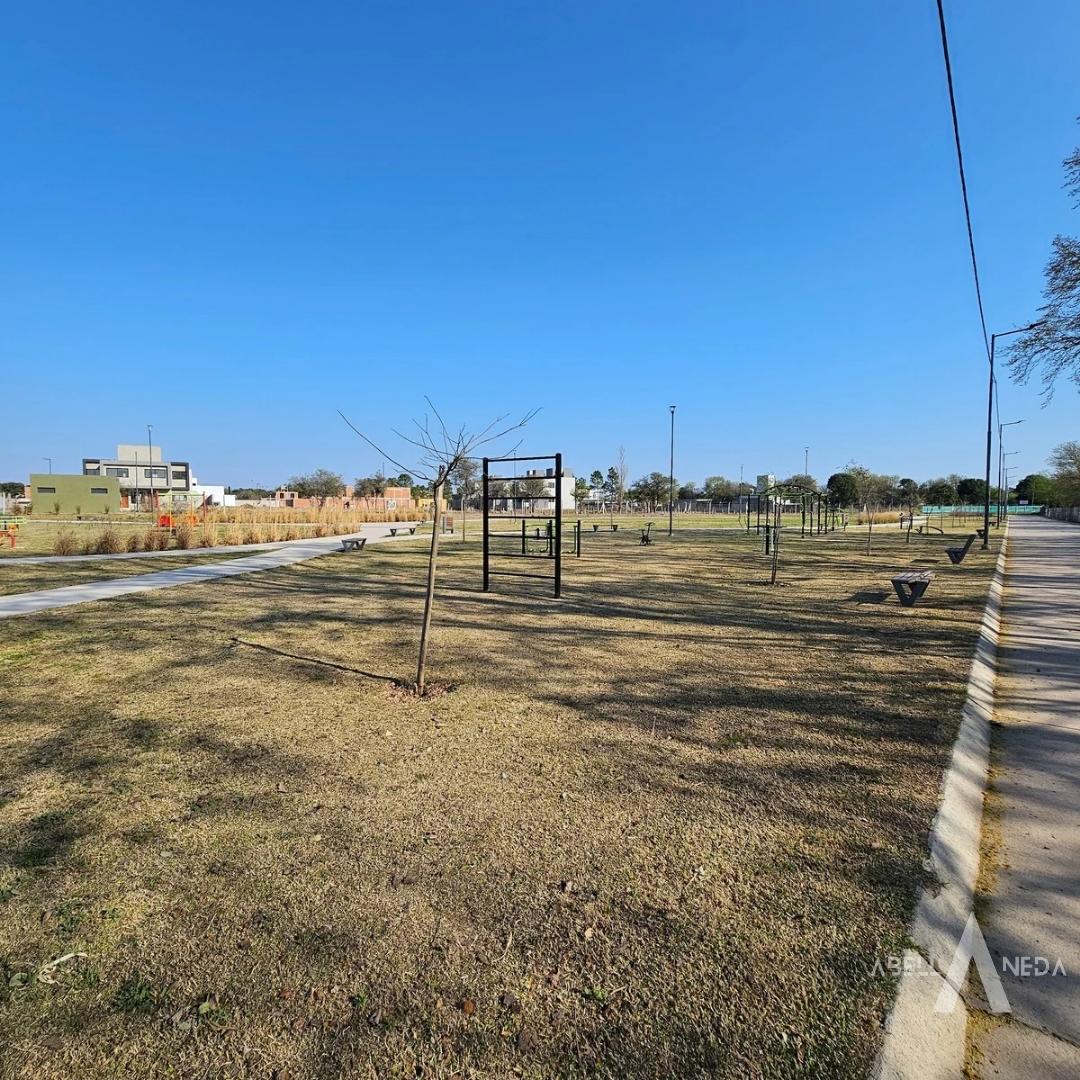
[243, 515]
[113, 541]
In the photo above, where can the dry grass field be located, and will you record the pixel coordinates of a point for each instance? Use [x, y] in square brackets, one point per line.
[660, 828]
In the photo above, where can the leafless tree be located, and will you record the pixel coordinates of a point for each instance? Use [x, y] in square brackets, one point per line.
[441, 452]
[1052, 345]
[623, 470]
[871, 489]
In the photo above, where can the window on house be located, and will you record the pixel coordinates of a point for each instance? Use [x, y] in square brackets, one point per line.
[99, 491]
[157, 474]
[46, 491]
[115, 470]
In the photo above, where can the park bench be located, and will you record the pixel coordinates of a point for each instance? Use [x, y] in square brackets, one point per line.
[353, 543]
[613, 527]
[911, 584]
[646, 538]
[956, 554]
[411, 528]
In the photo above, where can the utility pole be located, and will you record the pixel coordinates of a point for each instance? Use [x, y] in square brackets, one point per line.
[150, 469]
[671, 477]
[806, 461]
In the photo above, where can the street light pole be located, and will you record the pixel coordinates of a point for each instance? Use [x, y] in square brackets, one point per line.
[990, 426]
[150, 467]
[49, 460]
[806, 461]
[1001, 465]
[1008, 469]
[671, 477]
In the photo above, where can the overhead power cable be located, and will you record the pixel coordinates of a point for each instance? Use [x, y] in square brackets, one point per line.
[963, 178]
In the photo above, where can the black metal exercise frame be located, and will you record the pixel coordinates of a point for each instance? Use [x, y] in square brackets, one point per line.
[552, 531]
[818, 502]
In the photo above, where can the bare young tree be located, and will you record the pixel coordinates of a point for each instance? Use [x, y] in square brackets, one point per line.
[870, 490]
[623, 471]
[441, 453]
[465, 478]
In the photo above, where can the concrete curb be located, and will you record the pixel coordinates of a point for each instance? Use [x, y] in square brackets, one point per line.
[921, 1044]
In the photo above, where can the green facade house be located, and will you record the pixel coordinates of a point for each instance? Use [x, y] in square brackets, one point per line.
[72, 494]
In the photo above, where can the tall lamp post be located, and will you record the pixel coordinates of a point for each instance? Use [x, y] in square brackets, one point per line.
[150, 466]
[1008, 469]
[806, 461]
[990, 426]
[1001, 466]
[49, 460]
[671, 477]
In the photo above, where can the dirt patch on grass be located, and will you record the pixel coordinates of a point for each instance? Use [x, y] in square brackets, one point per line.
[662, 827]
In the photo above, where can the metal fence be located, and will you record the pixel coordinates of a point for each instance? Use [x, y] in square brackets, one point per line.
[972, 508]
[1063, 513]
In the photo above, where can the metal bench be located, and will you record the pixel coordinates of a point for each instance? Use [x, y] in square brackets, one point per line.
[956, 554]
[394, 530]
[646, 530]
[353, 543]
[911, 584]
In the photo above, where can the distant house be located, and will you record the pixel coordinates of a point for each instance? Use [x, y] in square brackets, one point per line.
[392, 498]
[545, 500]
[141, 472]
[74, 494]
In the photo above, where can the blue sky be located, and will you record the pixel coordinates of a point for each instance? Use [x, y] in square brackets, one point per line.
[232, 220]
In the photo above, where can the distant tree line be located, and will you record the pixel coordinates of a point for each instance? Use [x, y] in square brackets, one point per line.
[853, 486]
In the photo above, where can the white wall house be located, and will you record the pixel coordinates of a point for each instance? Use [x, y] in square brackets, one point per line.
[546, 503]
[213, 493]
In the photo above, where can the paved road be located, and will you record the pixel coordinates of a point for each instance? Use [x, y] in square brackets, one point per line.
[1034, 909]
[284, 555]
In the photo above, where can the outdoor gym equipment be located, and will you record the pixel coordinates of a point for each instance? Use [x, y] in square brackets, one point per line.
[545, 541]
[818, 515]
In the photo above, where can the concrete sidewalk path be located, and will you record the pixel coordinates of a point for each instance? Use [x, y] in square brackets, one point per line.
[1034, 907]
[283, 555]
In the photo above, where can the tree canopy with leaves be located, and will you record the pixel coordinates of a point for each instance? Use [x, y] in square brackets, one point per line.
[1051, 347]
[1065, 461]
[1037, 489]
[320, 484]
[842, 489]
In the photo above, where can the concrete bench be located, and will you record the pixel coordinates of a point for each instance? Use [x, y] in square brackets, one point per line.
[411, 528]
[956, 554]
[911, 584]
[353, 543]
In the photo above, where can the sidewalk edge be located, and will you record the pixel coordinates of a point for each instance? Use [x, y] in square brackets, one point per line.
[921, 1044]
